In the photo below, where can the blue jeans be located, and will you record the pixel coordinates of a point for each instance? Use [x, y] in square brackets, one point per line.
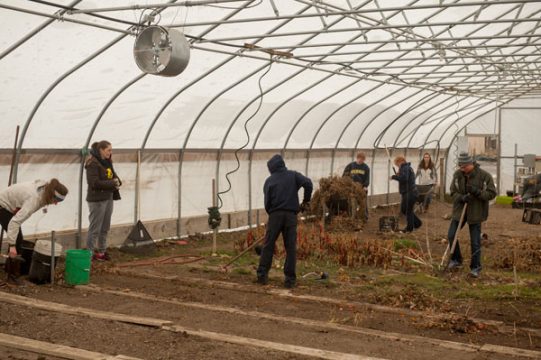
[475, 241]
[406, 208]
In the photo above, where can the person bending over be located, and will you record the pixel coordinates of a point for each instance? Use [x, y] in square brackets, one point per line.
[19, 201]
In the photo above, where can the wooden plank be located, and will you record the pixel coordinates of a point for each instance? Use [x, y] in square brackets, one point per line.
[292, 349]
[512, 351]
[498, 325]
[300, 321]
[61, 351]
[72, 310]
[169, 326]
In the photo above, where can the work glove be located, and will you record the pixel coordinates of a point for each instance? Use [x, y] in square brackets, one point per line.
[117, 182]
[465, 198]
[474, 190]
[305, 206]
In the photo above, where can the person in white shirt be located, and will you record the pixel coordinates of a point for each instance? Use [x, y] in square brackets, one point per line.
[19, 201]
[427, 176]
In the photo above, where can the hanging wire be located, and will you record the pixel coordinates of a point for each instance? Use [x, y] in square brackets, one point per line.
[261, 95]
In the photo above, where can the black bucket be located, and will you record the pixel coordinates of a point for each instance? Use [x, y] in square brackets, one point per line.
[388, 223]
[27, 249]
[40, 268]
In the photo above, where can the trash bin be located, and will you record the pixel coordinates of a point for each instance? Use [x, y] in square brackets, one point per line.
[40, 269]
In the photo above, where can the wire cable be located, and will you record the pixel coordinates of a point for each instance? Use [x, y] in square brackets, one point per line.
[228, 174]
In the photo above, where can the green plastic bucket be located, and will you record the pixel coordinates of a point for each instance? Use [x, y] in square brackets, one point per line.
[77, 267]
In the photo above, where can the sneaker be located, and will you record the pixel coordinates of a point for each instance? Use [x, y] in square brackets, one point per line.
[106, 256]
[453, 265]
[98, 257]
[475, 273]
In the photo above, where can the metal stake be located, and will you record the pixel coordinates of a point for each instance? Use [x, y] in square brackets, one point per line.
[53, 236]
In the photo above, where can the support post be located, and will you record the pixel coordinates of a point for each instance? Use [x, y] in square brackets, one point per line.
[215, 231]
[53, 240]
[442, 178]
[137, 210]
[498, 164]
[515, 190]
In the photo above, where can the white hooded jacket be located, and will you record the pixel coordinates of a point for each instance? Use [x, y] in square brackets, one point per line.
[22, 200]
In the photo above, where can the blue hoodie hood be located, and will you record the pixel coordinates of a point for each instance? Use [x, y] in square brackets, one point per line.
[276, 163]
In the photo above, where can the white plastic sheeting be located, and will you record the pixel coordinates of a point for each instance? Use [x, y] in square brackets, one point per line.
[362, 75]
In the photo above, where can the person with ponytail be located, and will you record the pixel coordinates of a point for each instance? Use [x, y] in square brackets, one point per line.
[19, 201]
[103, 189]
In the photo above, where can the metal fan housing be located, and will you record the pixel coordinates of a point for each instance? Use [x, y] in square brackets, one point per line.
[161, 51]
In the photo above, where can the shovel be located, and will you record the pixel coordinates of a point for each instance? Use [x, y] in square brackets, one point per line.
[224, 268]
[444, 259]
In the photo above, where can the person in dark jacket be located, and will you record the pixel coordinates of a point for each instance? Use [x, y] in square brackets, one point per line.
[360, 173]
[475, 187]
[282, 204]
[408, 192]
[103, 188]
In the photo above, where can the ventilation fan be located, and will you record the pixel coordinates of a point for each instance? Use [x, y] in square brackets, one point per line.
[161, 51]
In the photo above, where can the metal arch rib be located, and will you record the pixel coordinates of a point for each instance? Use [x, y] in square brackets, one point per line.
[194, 123]
[342, 106]
[312, 107]
[362, 133]
[48, 91]
[35, 31]
[413, 132]
[353, 118]
[106, 107]
[373, 119]
[191, 83]
[440, 122]
[276, 109]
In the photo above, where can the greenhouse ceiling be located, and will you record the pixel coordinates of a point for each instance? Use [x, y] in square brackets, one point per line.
[296, 73]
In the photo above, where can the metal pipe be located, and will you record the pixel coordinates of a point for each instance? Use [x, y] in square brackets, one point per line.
[332, 114]
[63, 18]
[352, 12]
[358, 114]
[401, 41]
[34, 32]
[425, 58]
[424, 49]
[278, 84]
[194, 123]
[463, 66]
[162, 6]
[53, 253]
[50, 89]
[368, 28]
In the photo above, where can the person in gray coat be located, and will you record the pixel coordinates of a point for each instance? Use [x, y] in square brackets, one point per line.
[103, 186]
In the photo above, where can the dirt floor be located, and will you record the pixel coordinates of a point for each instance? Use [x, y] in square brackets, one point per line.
[397, 309]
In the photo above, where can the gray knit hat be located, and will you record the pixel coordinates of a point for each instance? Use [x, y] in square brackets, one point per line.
[464, 159]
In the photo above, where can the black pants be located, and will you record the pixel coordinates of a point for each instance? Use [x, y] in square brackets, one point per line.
[5, 218]
[284, 222]
[406, 208]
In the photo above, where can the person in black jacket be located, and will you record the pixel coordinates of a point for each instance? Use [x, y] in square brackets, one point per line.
[360, 173]
[282, 204]
[103, 185]
[408, 192]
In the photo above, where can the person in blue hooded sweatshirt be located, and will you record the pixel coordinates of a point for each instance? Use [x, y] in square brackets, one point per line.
[408, 192]
[282, 204]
